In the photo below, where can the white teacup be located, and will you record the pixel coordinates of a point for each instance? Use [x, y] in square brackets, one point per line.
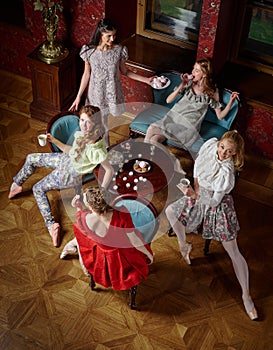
[184, 182]
[42, 139]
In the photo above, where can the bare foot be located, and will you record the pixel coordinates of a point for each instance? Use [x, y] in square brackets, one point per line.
[14, 190]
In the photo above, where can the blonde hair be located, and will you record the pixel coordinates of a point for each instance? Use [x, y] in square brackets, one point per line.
[237, 140]
[97, 199]
[208, 84]
[95, 134]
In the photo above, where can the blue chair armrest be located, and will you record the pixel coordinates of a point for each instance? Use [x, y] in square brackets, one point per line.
[142, 216]
[64, 129]
[228, 120]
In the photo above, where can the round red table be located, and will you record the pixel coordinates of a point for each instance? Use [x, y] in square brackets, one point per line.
[127, 180]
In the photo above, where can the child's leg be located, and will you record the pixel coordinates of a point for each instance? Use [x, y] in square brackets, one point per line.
[180, 230]
[154, 134]
[49, 160]
[242, 274]
[35, 160]
[54, 180]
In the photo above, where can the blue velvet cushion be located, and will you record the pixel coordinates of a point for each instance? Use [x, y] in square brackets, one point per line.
[64, 129]
[142, 216]
[144, 119]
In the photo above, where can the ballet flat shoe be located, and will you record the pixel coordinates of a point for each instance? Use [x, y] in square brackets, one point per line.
[250, 308]
[66, 252]
[253, 315]
[55, 234]
[185, 252]
[13, 193]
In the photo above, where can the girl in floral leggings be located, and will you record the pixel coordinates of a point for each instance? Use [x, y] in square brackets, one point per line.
[88, 150]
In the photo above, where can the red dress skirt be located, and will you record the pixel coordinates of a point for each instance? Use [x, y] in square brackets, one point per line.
[112, 260]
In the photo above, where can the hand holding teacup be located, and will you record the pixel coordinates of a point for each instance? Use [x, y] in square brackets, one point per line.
[185, 186]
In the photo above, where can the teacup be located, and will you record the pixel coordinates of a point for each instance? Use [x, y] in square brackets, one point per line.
[184, 182]
[42, 139]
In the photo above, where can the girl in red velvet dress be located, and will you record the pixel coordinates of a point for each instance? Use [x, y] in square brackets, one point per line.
[110, 248]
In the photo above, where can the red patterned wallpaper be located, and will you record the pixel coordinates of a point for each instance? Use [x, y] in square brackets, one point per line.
[259, 132]
[76, 27]
[208, 27]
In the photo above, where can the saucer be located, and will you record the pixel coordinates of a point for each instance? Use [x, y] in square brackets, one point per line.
[141, 170]
[162, 87]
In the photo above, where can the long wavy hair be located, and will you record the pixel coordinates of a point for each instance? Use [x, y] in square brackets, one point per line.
[95, 134]
[104, 25]
[237, 140]
[97, 199]
[209, 86]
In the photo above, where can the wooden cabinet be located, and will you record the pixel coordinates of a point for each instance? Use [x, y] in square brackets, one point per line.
[53, 85]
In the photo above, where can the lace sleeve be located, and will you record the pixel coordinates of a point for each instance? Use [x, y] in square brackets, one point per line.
[124, 53]
[85, 52]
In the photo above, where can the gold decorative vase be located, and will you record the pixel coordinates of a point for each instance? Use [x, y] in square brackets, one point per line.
[51, 50]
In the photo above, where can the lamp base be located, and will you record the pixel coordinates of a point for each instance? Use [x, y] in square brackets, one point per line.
[52, 52]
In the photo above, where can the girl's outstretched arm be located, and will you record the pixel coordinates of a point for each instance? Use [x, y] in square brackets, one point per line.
[221, 114]
[109, 172]
[62, 146]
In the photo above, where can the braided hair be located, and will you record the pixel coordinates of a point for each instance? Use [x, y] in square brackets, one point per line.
[97, 199]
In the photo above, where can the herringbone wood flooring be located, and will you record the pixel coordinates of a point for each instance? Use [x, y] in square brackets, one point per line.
[46, 303]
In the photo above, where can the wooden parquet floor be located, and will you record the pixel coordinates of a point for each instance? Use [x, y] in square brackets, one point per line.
[46, 302]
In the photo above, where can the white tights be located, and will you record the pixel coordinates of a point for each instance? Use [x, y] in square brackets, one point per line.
[231, 247]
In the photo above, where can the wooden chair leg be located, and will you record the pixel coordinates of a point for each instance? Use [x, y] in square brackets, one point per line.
[206, 246]
[132, 294]
[92, 283]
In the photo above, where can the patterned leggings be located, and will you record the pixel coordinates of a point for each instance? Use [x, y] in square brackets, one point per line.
[61, 177]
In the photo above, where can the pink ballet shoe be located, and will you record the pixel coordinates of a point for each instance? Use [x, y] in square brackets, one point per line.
[185, 252]
[55, 233]
[253, 315]
[250, 308]
[14, 190]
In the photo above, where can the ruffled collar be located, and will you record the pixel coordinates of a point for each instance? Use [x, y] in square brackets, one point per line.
[196, 98]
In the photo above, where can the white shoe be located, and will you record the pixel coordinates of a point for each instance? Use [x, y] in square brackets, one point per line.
[250, 308]
[185, 252]
[70, 248]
